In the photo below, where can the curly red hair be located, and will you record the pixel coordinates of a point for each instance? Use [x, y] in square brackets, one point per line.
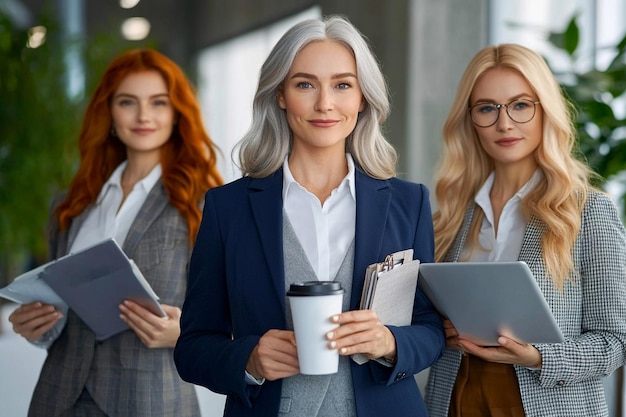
[188, 159]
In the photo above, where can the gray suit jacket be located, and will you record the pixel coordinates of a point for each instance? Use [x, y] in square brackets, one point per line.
[591, 313]
[123, 376]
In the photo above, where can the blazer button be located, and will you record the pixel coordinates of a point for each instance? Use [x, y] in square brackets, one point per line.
[400, 375]
[560, 383]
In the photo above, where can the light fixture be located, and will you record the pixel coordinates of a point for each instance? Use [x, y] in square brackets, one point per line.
[36, 36]
[128, 4]
[135, 28]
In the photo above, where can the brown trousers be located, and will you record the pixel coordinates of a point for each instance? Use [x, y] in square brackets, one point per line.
[485, 389]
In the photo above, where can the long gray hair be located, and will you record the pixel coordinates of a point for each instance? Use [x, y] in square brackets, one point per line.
[264, 147]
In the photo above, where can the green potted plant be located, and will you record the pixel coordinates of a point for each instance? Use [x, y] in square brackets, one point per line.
[40, 122]
[596, 94]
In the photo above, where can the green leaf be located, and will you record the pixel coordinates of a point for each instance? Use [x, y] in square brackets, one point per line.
[38, 150]
[601, 113]
[568, 39]
[571, 37]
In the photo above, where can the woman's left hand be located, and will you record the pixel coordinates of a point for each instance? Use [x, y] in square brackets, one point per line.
[509, 351]
[154, 331]
[361, 331]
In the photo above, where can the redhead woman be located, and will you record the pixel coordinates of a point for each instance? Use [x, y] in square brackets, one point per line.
[146, 161]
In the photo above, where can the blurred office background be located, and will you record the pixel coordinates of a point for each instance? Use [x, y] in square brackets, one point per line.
[423, 46]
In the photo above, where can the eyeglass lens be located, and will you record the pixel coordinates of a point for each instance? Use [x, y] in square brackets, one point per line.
[486, 114]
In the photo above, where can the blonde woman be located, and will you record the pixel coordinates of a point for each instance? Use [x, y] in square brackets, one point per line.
[509, 188]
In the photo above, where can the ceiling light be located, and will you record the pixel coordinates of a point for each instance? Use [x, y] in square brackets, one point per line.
[36, 36]
[135, 28]
[128, 4]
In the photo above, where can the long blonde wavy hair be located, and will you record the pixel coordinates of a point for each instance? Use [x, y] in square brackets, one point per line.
[557, 201]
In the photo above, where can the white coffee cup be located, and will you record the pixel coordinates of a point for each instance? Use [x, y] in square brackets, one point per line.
[312, 304]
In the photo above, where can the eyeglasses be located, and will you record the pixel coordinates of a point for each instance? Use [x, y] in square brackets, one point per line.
[487, 114]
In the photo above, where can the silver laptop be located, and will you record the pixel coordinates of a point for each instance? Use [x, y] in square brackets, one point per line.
[487, 299]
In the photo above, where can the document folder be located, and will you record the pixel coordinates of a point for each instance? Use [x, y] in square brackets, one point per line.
[92, 282]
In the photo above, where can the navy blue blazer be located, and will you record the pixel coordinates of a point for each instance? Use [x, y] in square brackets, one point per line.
[236, 292]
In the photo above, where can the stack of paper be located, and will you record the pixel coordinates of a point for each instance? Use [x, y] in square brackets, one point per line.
[390, 286]
[389, 290]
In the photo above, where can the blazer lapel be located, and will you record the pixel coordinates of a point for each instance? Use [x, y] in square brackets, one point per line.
[532, 240]
[151, 209]
[373, 198]
[459, 242]
[155, 203]
[64, 245]
[267, 210]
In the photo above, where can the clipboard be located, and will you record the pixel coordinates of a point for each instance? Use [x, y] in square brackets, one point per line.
[389, 290]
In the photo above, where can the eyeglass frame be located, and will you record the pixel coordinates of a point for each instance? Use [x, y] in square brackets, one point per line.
[506, 106]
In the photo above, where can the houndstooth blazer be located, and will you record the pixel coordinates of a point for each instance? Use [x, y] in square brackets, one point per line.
[591, 312]
[124, 377]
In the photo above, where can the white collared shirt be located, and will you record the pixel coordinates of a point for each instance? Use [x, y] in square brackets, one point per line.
[512, 225]
[107, 219]
[326, 230]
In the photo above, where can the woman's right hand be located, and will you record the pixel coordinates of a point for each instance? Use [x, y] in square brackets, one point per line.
[32, 320]
[275, 356]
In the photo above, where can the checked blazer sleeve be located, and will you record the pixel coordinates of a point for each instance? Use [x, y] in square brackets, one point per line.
[590, 310]
[596, 338]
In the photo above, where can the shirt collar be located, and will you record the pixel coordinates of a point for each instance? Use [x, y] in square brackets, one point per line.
[348, 181]
[482, 197]
[115, 180]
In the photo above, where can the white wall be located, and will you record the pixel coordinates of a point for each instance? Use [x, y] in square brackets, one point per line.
[228, 74]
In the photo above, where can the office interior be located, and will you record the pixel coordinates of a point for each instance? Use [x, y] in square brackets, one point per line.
[422, 45]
